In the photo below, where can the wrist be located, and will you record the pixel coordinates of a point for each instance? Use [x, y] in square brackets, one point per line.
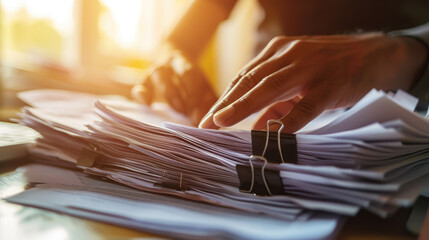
[170, 50]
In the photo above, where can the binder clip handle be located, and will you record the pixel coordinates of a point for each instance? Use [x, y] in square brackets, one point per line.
[276, 147]
[267, 138]
[252, 170]
[257, 179]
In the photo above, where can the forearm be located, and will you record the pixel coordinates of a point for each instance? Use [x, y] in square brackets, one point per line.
[198, 24]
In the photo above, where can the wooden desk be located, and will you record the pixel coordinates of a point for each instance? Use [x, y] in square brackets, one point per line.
[18, 222]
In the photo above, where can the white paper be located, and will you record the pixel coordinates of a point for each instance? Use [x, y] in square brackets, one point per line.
[116, 204]
[364, 157]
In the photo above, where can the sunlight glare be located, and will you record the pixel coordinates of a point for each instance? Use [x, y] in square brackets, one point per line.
[11, 5]
[126, 18]
[54, 10]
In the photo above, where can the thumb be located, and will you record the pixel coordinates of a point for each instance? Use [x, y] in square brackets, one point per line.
[309, 107]
[275, 111]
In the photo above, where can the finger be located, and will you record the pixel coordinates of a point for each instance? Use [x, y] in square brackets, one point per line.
[183, 92]
[144, 92]
[309, 107]
[263, 56]
[244, 85]
[167, 90]
[275, 111]
[282, 85]
[274, 57]
[199, 94]
[270, 50]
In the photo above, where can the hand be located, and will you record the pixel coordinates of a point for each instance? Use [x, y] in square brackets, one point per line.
[298, 78]
[181, 84]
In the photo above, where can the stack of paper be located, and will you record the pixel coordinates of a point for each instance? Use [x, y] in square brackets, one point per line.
[76, 194]
[373, 156]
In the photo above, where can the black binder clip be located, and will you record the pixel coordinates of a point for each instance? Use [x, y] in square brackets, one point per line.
[172, 181]
[278, 147]
[254, 178]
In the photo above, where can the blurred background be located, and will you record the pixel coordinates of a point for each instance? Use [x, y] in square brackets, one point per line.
[104, 46]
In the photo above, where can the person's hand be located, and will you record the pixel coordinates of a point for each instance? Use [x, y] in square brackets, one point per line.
[298, 78]
[180, 83]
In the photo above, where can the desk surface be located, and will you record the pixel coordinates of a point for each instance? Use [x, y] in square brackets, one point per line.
[18, 222]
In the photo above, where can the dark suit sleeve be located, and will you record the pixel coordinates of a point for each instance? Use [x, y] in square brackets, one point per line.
[420, 33]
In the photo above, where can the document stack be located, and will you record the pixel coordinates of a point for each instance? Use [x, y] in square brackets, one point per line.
[373, 156]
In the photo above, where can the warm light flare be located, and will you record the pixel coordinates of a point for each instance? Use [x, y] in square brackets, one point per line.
[52, 10]
[125, 20]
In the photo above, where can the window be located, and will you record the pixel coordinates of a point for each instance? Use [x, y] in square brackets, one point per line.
[101, 40]
[85, 36]
[38, 29]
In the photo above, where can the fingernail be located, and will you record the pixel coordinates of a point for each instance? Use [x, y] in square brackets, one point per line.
[207, 121]
[223, 115]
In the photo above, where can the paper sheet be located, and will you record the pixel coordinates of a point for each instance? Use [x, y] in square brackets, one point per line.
[364, 157]
[177, 218]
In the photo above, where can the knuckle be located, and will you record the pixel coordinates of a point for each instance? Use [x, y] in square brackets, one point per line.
[307, 109]
[221, 104]
[299, 43]
[296, 46]
[244, 103]
[275, 82]
[276, 41]
[235, 80]
[247, 82]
